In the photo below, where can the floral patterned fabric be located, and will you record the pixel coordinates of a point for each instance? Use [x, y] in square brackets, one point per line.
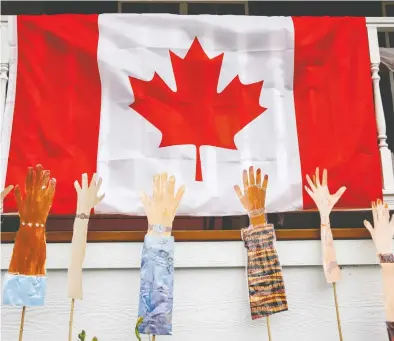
[157, 282]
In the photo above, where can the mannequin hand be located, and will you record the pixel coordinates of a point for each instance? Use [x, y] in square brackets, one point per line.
[383, 230]
[87, 195]
[321, 195]
[253, 198]
[40, 190]
[161, 207]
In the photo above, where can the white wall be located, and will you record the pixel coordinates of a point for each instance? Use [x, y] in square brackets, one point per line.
[211, 300]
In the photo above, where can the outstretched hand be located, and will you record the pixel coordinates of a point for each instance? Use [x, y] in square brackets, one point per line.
[88, 193]
[39, 193]
[382, 232]
[254, 194]
[321, 195]
[161, 207]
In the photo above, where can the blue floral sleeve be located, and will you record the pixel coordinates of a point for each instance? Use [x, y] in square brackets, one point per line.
[157, 282]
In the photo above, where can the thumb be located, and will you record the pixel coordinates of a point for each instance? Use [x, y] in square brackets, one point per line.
[6, 191]
[368, 226]
[99, 199]
[392, 223]
[339, 193]
[144, 199]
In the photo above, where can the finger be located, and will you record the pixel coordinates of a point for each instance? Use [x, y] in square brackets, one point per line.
[386, 212]
[77, 186]
[156, 187]
[379, 209]
[29, 181]
[258, 177]
[252, 180]
[238, 191]
[145, 200]
[245, 178]
[374, 213]
[100, 198]
[171, 187]
[45, 180]
[99, 183]
[311, 184]
[6, 191]
[163, 183]
[309, 191]
[324, 181]
[50, 192]
[93, 181]
[339, 193]
[38, 180]
[368, 226]
[317, 177]
[18, 197]
[265, 182]
[179, 195]
[84, 180]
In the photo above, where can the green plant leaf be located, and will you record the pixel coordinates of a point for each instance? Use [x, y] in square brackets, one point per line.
[82, 335]
[137, 333]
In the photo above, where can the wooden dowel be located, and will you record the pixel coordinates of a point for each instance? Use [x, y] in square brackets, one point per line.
[22, 323]
[269, 328]
[70, 323]
[334, 286]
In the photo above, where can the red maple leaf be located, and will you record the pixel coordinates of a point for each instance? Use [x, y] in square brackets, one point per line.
[196, 113]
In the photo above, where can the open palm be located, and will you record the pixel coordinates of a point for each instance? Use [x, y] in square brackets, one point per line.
[320, 193]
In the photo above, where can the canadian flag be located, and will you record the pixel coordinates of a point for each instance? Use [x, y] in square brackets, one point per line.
[201, 97]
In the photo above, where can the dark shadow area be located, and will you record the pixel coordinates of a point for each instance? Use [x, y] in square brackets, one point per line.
[266, 8]
[145, 7]
[287, 220]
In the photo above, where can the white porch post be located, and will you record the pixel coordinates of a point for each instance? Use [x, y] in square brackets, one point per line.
[4, 64]
[385, 154]
[7, 65]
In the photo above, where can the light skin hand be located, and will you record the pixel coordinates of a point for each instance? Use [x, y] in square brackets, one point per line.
[383, 230]
[254, 194]
[87, 199]
[321, 195]
[325, 202]
[6, 191]
[161, 207]
[88, 193]
[382, 233]
[3, 194]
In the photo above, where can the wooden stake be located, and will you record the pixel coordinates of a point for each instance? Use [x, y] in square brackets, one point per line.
[154, 338]
[70, 323]
[269, 328]
[334, 286]
[22, 323]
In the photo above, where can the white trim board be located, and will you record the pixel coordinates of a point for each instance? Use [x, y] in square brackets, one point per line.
[203, 254]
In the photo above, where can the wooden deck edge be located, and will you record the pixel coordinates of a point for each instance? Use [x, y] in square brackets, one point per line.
[187, 236]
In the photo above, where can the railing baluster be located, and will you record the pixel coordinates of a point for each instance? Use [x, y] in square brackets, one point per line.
[385, 154]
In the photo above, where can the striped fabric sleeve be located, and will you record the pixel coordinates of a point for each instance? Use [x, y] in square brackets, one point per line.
[267, 293]
[390, 330]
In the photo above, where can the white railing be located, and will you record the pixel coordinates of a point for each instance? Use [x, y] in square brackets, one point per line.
[374, 25]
